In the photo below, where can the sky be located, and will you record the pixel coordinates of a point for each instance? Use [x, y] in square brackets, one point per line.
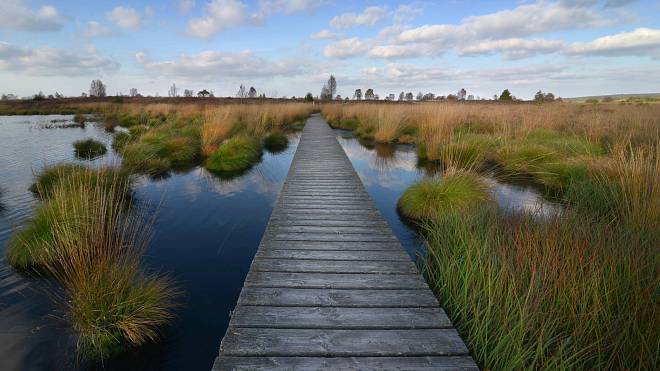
[290, 47]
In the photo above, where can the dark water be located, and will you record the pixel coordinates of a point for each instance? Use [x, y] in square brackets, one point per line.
[388, 169]
[207, 232]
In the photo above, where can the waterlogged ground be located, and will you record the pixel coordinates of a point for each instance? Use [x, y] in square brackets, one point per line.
[207, 232]
[388, 169]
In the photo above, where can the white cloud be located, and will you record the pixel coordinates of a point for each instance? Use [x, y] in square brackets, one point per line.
[324, 35]
[185, 6]
[125, 17]
[218, 16]
[639, 42]
[96, 29]
[404, 51]
[213, 64]
[369, 17]
[514, 48]
[47, 61]
[345, 48]
[502, 32]
[524, 20]
[15, 14]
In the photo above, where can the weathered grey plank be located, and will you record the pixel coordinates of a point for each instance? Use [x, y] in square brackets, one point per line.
[400, 298]
[326, 343]
[332, 266]
[335, 281]
[330, 237]
[340, 318]
[332, 245]
[386, 255]
[463, 363]
[346, 229]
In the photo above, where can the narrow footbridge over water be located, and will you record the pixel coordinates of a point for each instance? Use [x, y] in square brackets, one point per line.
[330, 286]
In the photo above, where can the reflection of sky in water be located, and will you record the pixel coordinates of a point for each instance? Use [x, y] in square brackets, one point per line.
[387, 170]
[205, 236]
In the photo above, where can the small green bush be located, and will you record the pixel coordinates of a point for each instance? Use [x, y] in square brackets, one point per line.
[276, 142]
[89, 149]
[235, 154]
[428, 198]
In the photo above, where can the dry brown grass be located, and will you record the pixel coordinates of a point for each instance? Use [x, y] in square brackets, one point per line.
[438, 123]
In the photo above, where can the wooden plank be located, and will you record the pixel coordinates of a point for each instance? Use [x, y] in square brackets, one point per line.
[357, 237]
[378, 298]
[345, 229]
[386, 255]
[333, 266]
[326, 343]
[462, 363]
[332, 245]
[339, 318]
[335, 281]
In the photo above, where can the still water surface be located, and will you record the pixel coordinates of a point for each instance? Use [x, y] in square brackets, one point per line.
[206, 234]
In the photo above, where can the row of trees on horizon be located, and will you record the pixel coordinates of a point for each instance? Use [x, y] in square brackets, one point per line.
[328, 92]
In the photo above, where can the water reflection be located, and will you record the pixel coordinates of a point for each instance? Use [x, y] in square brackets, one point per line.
[388, 169]
[206, 234]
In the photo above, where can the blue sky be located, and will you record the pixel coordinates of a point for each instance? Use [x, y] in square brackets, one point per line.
[290, 47]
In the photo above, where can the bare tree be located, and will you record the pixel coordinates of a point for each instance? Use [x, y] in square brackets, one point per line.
[325, 93]
[332, 86]
[402, 96]
[369, 94]
[390, 97]
[173, 92]
[420, 96]
[188, 93]
[409, 95]
[242, 92]
[253, 92]
[461, 94]
[358, 94]
[97, 89]
[133, 92]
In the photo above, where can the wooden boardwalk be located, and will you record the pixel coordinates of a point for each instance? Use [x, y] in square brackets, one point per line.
[330, 286]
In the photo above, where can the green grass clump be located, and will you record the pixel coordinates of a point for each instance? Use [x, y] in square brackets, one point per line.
[91, 242]
[428, 198]
[32, 247]
[48, 178]
[105, 177]
[142, 157]
[235, 154]
[120, 140]
[566, 292]
[276, 142]
[89, 149]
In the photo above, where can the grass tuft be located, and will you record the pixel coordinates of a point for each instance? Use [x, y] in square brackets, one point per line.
[428, 198]
[276, 142]
[89, 149]
[235, 154]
